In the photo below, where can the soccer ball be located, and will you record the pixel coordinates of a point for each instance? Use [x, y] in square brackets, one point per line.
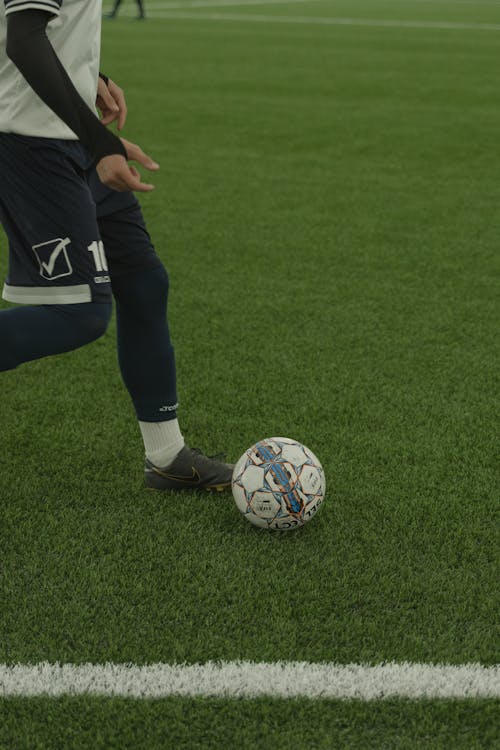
[278, 484]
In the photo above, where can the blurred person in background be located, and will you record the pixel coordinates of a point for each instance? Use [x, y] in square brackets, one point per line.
[140, 6]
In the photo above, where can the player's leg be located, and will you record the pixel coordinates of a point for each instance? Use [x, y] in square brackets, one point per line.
[140, 287]
[49, 217]
[114, 10]
[32, 332]
[146, 355]
[140, 5]
[147, 359]
[147, 364]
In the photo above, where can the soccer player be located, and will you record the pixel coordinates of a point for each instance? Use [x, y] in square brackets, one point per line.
[76, 232]
[140, 6]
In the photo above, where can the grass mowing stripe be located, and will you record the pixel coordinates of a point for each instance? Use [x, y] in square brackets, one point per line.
[326, 21]
[220, 3]
[243, 679]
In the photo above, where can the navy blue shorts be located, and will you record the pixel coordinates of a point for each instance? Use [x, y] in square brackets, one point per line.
[69, 235]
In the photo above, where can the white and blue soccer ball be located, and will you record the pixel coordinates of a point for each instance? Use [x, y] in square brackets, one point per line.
[278, 484]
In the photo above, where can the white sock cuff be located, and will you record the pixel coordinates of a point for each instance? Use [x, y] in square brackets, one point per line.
[162, 441]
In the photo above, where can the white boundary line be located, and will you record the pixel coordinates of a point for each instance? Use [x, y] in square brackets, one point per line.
[251, 680]
[325, 21]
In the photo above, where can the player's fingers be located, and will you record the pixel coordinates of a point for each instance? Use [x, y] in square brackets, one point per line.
[143, 187]
[146, 161]
[135, 153]
[134, 185]
[119, 98]
[109, 111]
[116, 173]
[106, 101]
[108, 117]
[122, 115]
[137, 183]
[127, 181]
[116, 176]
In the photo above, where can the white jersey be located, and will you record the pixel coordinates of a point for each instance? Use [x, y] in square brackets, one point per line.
[75, 34]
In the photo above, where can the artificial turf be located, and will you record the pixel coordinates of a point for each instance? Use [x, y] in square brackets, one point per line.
[266, 724]
[327, 208]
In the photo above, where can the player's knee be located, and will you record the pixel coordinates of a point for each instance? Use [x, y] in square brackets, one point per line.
[90, 320]
[163, 279]
[159, 283]
[96, 319]
[152, 285]
[145, 292]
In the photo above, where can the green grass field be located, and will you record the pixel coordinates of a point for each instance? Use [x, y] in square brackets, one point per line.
[328, 210]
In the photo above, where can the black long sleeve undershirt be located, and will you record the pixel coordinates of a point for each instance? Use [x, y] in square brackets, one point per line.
[32, 53]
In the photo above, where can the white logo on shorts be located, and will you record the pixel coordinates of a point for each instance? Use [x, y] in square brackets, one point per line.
[53, 258]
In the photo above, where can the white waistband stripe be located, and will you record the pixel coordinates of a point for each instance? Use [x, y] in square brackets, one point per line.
[44, 295]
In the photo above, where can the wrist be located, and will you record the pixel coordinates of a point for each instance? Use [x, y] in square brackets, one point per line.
[107, 144]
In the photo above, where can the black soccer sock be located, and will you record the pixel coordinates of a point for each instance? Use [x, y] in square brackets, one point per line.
[145, 352]
[28, 333]
[141, 8]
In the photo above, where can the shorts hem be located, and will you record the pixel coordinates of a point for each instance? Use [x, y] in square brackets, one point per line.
[42, 295]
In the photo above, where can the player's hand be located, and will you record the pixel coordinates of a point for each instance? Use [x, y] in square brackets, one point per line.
[115, 172]
[111, 102]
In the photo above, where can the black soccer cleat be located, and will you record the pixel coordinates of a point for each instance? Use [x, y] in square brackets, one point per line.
[190, 470]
